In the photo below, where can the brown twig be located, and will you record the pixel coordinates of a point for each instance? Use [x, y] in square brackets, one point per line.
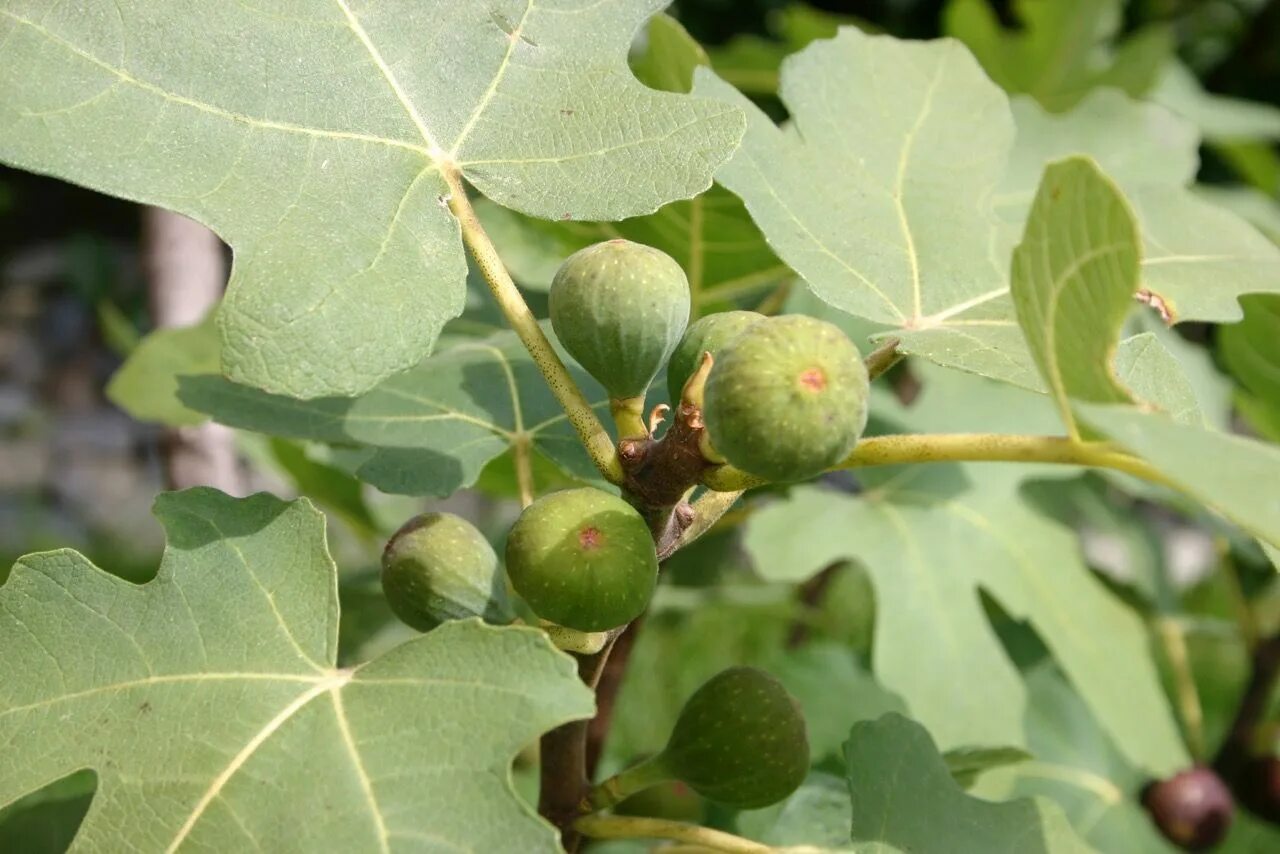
[563, 767]
[810, 594]
[615, 667]
[1238, 747]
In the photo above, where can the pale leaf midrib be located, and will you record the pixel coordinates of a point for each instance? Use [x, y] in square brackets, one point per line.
[329, 683]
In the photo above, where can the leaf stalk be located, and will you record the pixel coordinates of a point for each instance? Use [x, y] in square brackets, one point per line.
[595, 438]
[964, 447]
[629, 827]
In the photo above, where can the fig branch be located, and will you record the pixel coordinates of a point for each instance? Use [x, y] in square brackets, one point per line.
[626, 827]
[595, 438]
[964, 447]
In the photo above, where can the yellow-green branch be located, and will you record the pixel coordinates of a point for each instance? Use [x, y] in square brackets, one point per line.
[595, 438]
[627, 827]
[964, 447]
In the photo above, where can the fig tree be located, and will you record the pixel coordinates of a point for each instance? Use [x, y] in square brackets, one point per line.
[787, 399]
[709, 334]
[438, 567]
[1193, 808]
[740, 740]
[619, 308]
[583, 558]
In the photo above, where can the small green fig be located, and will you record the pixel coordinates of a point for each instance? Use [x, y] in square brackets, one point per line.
[619, 308]
[709, 334]
[583, 558]
[438, 567]
[739, 740]
[787, 398]
[672, 799]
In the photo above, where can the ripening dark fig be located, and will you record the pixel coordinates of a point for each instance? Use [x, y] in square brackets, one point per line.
[583, 558]
[1193, 808]
[438, 567]
[740, 740]
[709, 334]
[787, 399]
[619, 308]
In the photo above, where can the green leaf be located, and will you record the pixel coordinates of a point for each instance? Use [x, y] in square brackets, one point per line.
[1054, 55]
[1197, 258]
[1145, 367]
[146, 385]
[1253, 206]
[880, 222]
[210, 694]
[1219, 118]
[1074, 277]
[1079, 768]
[904, 796]
[712, 236]
[427, 431]
[1250, 349]
[1237, 476]
[1135, 144]
[817, 814]
[315, 140]
[862, 195]
[930, 538]
[966, 764]
[330, 487]
[45, 821]
[669, 57]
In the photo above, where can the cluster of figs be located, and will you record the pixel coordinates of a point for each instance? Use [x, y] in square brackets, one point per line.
[785, 399]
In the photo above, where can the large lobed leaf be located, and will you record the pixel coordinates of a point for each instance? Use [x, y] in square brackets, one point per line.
[932, 538]
[1074, 274]
[903, 796]
[208, 703]
[904, 179]
[316, 137]
[711, 235]
[427, 431]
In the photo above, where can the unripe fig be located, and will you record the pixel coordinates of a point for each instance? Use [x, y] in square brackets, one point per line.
[438, 567]
[740, 740]
[619, 308]
[1193, 808]
[709, 334]
[672, 799]
[787, 399]
[583, 558]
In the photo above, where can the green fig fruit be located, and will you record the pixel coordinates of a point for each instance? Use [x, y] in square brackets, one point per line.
[619, 308]
[583, 558]
[438, 567]
[740, 740]
[709, 334]
[787, 399]
[673, 799]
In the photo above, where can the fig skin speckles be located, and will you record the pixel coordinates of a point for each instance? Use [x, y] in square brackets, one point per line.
[740, 740]
[620, 308]
[582, 558]
[787, 398]
[438, 567]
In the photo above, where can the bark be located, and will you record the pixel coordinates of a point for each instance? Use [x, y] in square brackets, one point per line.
[186, 273]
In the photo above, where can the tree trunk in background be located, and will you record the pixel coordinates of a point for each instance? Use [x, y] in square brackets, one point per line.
[186, 272]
